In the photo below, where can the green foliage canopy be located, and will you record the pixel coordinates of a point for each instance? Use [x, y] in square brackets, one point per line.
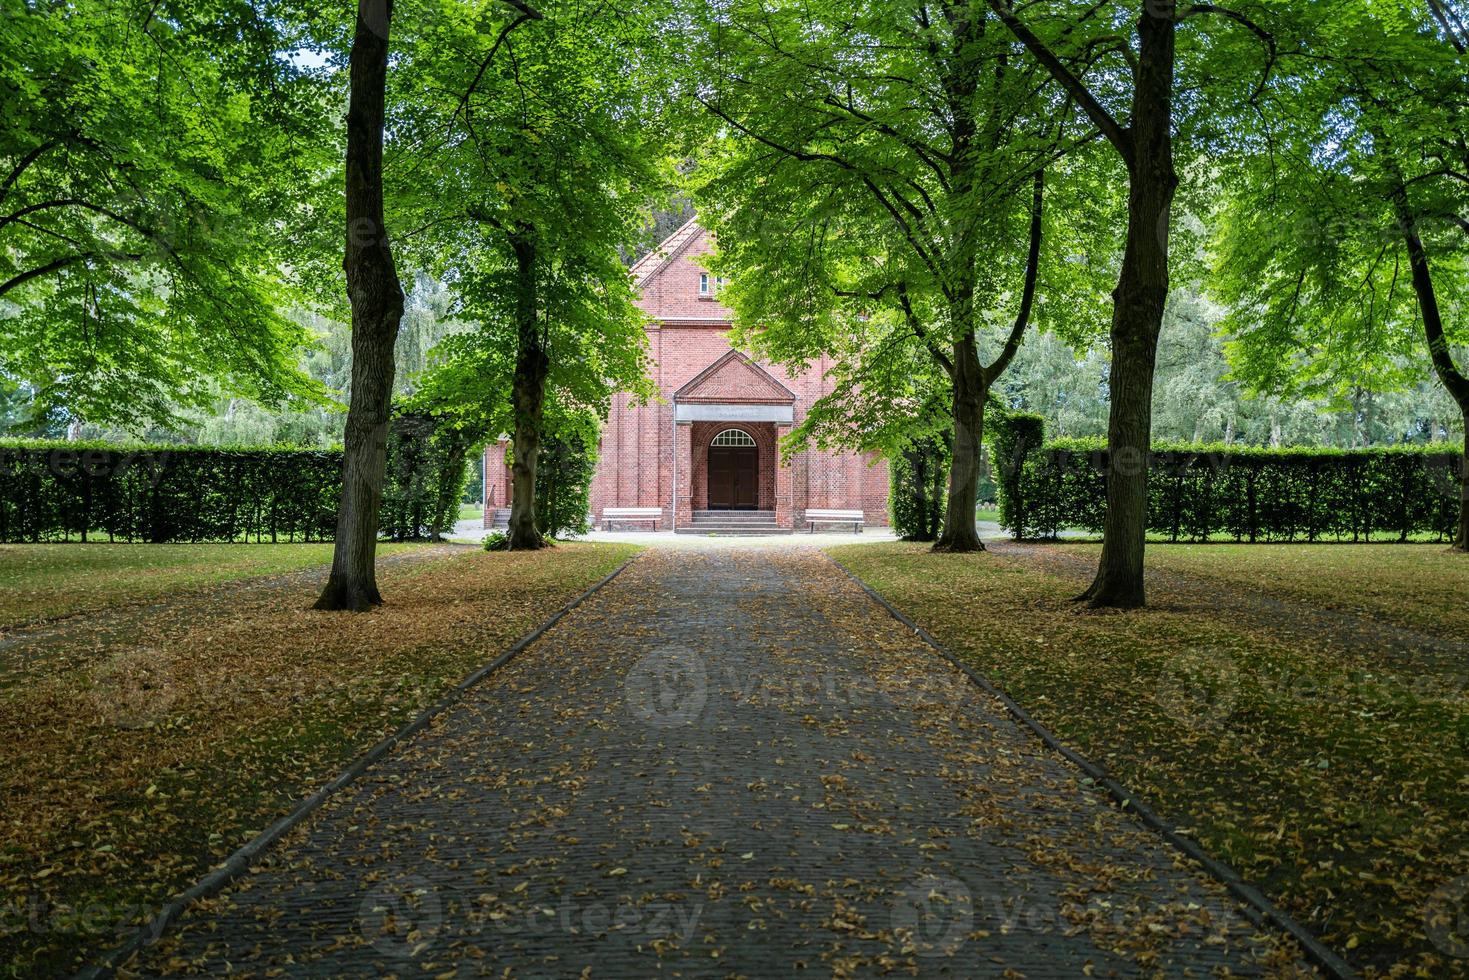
[150, 161]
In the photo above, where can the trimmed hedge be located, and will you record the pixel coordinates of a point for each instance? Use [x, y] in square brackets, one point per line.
[68, 491]
[425, 477]
[918, 480]
[65, 491]
[1204, 493]
[564, 469]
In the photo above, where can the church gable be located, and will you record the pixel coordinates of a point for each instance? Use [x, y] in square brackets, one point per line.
[673, 282]
[645, 269]
[735, 378]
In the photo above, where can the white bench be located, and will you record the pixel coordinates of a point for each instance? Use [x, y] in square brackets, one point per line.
[631, 515]
[855, 518]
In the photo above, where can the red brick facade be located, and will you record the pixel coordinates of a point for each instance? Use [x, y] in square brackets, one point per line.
[713, 389]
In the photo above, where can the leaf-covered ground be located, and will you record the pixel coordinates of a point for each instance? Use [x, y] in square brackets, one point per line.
[1416, 586]
[1279, 703]
[44, 581]
[145, 743]
[728, 763]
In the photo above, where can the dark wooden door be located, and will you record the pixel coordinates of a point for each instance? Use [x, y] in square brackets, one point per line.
[734, 477]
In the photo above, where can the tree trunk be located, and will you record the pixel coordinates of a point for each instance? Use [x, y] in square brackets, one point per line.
[528, 398]
[1448, 372]
[961, 532]
[1461, 537]
[377, 307]
[1137, 315]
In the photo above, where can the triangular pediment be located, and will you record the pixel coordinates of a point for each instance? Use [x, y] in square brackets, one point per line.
[735, 378]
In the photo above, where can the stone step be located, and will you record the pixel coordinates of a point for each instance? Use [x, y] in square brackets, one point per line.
[734, 515]
[762, 520]
[734, 530]
[499, 517]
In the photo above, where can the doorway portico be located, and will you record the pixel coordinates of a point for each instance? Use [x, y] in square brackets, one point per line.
[728, 421]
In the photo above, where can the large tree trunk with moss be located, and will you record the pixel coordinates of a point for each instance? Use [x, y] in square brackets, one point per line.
[961, 531]
[528, 397]
[377, 308]
[1137, 316]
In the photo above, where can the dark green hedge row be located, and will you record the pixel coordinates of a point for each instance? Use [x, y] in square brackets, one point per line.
[58, 491]
[1202, 493]
[67, 491]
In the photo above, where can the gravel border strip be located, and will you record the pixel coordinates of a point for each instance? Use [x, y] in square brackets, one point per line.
[1253, 898]
[240, 861]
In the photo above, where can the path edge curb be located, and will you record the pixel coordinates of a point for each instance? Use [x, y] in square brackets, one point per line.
[1317, 951]
[239, 862]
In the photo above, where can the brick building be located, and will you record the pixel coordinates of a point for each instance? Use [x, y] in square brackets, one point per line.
[705, 451]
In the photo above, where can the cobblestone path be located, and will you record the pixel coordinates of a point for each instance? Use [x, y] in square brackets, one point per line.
[727, 763]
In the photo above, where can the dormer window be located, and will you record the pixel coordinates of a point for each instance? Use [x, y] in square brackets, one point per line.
[709, 285]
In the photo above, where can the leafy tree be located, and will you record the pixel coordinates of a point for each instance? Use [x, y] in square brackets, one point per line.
[1200, 397]
[376, 296]
[1346, 241]
[547, 177]
[149, 158]
[1119, 62]
[879, 187]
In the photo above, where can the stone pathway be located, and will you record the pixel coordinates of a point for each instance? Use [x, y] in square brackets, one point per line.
[727, 763]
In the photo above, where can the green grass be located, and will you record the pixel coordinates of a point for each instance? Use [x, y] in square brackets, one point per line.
[988, 514]
[143, 756]
[1330, 774]
[44, 581]
[471, 512]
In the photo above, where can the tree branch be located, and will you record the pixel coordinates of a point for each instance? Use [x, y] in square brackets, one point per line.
[1118, 136]
[916, 326]
[1027, 293]
[1241, 19]
[56, 265]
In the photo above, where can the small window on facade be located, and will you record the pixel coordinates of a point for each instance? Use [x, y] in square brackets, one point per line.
[703, 284]
[733, 437]
[708, 285]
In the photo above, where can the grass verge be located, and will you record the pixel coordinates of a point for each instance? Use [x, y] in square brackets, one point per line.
[181, 736]
[1332, 777]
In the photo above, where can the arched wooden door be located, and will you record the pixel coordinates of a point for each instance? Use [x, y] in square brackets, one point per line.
[734, 471]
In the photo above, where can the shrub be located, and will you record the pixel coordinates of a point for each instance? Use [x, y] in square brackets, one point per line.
[1012, 436]
[564, 470]
[1201, 493]
[496, 541]
[57, 491]
[917, 489]
[425, 477]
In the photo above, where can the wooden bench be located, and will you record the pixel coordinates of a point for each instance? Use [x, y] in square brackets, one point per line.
[631, 515]
[855, 518]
